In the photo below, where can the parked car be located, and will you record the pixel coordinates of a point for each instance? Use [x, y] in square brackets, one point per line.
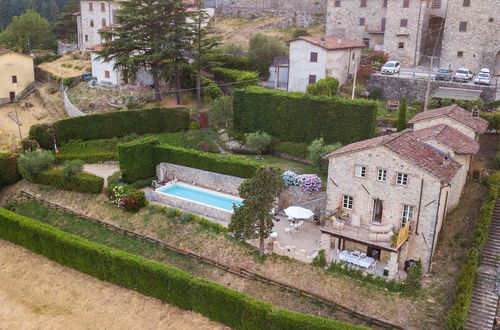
[444, 74]
[482, 78]
[391, 67]
[463, 75]
[485, 70]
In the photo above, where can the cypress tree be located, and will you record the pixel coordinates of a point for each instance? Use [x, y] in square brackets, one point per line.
[402, 114]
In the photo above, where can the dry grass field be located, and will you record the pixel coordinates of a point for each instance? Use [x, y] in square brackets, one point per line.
[67, 67]
[37, 293]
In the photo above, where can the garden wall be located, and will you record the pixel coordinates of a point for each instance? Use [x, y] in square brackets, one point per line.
[299, 117]
[160, 281]
[226, 183]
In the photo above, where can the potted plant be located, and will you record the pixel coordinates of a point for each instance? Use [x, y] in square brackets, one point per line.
[394, 240]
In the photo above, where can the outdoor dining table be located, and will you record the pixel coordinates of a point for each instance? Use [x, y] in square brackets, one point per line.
[356, 258]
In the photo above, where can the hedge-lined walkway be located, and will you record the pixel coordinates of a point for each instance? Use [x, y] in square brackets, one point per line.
[484, 299]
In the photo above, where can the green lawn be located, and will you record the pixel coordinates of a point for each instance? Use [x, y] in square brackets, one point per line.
[285, 164]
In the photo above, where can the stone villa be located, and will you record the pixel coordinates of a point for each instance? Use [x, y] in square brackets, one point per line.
[388, 196]
[410, 30]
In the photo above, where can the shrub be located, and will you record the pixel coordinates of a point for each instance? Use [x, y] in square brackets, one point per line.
[45, 58]
[242, 78]
[114, 180]
[364, 73]
[317, 150]
[492, 118]
[324, 87]
[143, 183]
[128, 198]
[264, 48]
[194, 125]
[241, 63]
[376, 93]
[83, 182]
[233, 49]
[290, 178]
[258, 142]
[300, 32]
[293, 149]
[402, 115]
[9, 171]
[413, 282]
[299, 117]
[220, 112]
[210, 88]
[72, 168]
[320, 259]
[33, 163]
[113, 124]
[310, 183]
[160, 281]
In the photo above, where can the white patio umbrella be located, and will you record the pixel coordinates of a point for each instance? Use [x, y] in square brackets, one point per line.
[298, 212]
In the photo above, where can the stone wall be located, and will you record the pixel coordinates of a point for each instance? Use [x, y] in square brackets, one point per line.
[293, 12]
[394, 88]
[294, 195]
[210, 180]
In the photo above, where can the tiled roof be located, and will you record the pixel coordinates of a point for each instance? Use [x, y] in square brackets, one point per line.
[331, 42]
[449, 136]
[97, 48]
[453, 111]
[409, 147]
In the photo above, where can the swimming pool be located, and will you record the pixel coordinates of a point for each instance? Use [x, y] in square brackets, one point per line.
[201, 196]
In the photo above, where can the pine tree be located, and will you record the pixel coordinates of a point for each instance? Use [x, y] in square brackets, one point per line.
[253, 219]
[204, 42]
[402, 114]
[149, 34]
[65, 28]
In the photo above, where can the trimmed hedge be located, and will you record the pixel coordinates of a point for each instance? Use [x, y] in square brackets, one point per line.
[299, 117]
[160, 281]
[241, 63]
[83, 182]
[138, 160]
[244, 78]
[9, 171]
[95, 157]
[493, 119]
[293, 149]
[458, 313]
[113, 124]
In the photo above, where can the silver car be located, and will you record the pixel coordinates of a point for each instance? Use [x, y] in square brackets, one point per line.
[482, 78]
[463, 75]
[391, 67]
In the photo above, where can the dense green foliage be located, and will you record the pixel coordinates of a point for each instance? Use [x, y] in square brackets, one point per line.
[27, 32]
[324, 87]
[300, 32]
[47, 8]
[241, 78]
[493, 119]
[66, 26]
[83, 182]
[254, 219]
[457, 315]
[241, 63]
[413, 282]
[9, 171]
[317, 150]
[72, 168]
[31, 164]
[220, 112]
[138, 160]
[293, 149]
[265, 48]
[299, 117]
[258, 142]
[168, 284]
[109, 125]
[45, 58]
[320, 259]
[402, 119]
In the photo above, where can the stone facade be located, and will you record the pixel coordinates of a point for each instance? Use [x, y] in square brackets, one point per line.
[224, 183]
[447, 121]
[394, 87]
[293, 12]
[482, 35]
[426, 193]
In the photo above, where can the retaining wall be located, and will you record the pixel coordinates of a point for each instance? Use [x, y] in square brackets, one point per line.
[70, 108]
[394, 88]
[224, 183]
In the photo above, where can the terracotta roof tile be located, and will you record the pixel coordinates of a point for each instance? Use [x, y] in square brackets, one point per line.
[453, 111]
[449, 136]
[331, 42]
[411, 148]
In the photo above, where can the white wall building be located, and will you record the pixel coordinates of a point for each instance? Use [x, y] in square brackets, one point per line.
[104, 71]
[94, 15]
[315, 58]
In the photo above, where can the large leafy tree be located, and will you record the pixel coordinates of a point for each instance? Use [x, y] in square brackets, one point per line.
[28, 31]
[253, 218]
[265, 48]
[204, 42]
[151, 34]
[65, 27]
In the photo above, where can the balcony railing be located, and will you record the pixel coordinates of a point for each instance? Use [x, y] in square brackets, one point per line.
[375, 28]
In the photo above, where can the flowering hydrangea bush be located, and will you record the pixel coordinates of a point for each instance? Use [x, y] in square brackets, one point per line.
[290, 178]
[128, 198]
[310, 182]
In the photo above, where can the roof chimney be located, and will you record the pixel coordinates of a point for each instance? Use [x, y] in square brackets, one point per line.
[322, 40]
[339, 41]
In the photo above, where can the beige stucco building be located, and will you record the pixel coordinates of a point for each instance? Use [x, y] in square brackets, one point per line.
[388, 196]
[319, 57]
[16, 74]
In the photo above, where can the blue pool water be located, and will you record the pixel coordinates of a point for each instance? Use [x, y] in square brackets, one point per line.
[201, 196]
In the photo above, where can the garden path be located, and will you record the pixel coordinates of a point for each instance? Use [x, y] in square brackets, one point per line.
[102, 170]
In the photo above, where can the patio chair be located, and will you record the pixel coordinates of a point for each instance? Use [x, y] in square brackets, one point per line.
[289, 231]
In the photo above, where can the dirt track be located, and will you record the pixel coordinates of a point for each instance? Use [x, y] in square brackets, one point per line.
[36, 293]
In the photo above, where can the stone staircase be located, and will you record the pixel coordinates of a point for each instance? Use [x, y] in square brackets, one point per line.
[484, 302]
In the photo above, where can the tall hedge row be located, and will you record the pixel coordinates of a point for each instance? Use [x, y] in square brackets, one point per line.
[242, 63]
[113, 124]
[160, 281]
[459, 311]
[138, 160]
[298, 117]
[9, 172]
[243, 78]
[82, 182]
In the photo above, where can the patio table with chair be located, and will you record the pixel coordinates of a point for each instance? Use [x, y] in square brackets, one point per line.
[356, 259]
